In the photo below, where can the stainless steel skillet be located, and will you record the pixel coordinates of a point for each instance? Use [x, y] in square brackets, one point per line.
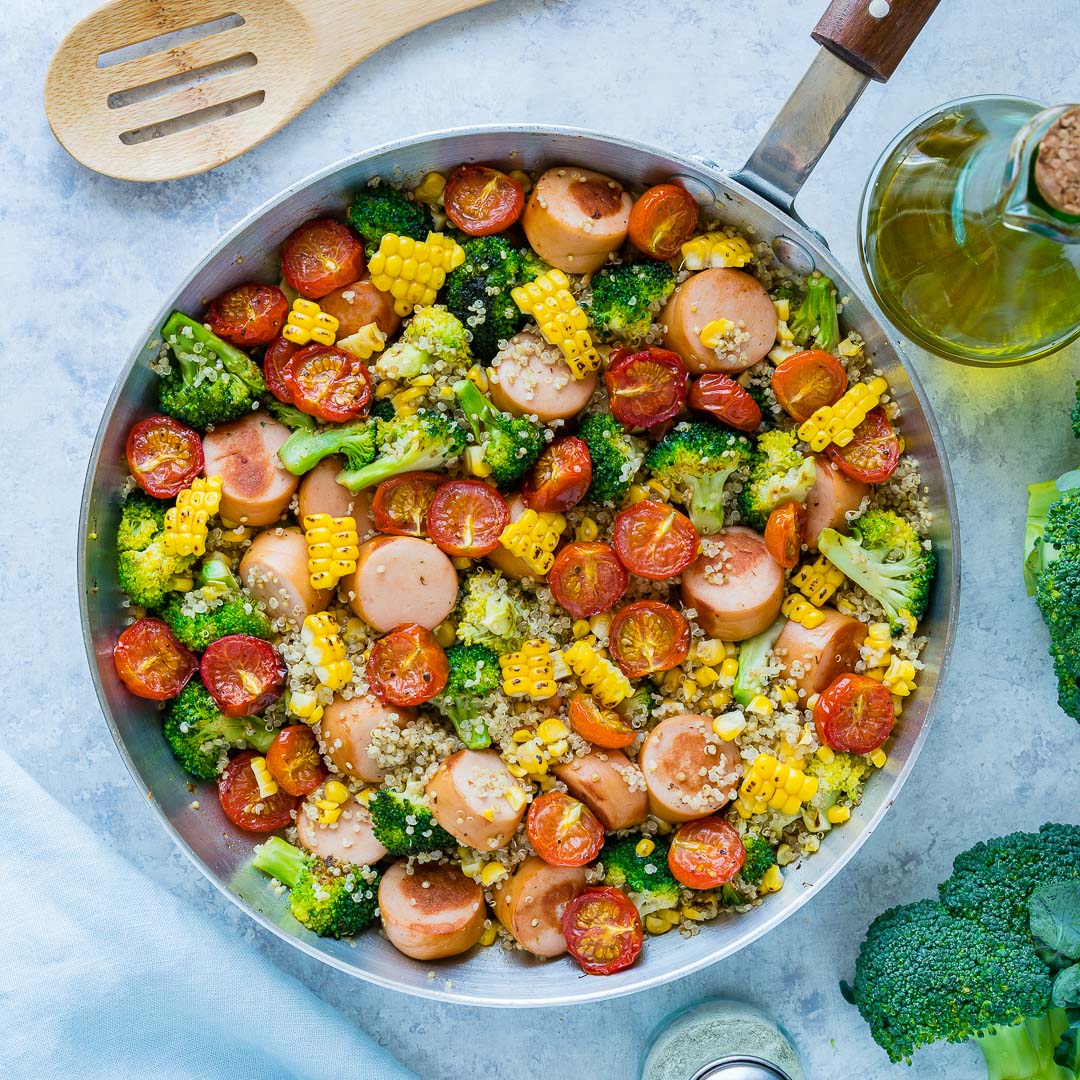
[758, 200]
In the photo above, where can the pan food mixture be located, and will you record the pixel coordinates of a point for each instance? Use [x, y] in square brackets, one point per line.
[534, 564]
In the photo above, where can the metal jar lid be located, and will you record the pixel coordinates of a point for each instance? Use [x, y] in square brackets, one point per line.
[740, 1068]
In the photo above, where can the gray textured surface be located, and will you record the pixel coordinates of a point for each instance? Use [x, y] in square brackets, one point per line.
[85, 258]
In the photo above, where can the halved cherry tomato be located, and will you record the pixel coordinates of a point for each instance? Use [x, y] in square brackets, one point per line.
[251, 314]
[587, 578]
[480, 200]
[648, 636]
[722, 397]
[706, 854]
[150, 661]
[401, 503]
[328, 383]
[407, 666]
[803, 383]
[238, 790]
[785, 534]
[855, 714]
[466, 518]
[321, 256]
[874, 452]
[645, 387]
[602, 727]
[163, 455]
[563, 831]
[561, 476]
[294, 760]
[662, 220]
[277, 356]
[244, 674]
[602, 930]
[655, 541]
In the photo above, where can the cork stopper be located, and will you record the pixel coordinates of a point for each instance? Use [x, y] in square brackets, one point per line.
[1057, 168]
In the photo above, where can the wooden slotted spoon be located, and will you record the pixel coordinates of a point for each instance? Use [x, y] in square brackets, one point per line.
[159, 89]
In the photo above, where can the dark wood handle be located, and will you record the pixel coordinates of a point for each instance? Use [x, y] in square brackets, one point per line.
[872, 35]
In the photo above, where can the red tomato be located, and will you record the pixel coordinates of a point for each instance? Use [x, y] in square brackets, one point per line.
[645, 387]
[275, 360]
[466, 518]
[560, 478]
[785, 534]
[563, 831]
[722, 397]
[855, 714]
[150, 661]
[480, 200]
[163, 455]
[294, 760]
[648, 636]
[407, 666]
[401, 503]
[874, 453]
[238, 790]
[602, 727]
[602, 930]
[244, 674]
[587, 578]
[653, 540]
[328, 383]
[662, 220]
[321, 256]
[803, 383]
[251, 314]
[706, 854]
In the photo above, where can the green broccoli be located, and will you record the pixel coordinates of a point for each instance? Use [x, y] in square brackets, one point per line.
[304, 449]
[491, 612]
[626, 297]
[383, 409]
[142, 519]
[1058, 598]
[842, 777]
[511, 443]
[646, 879]
[778, 474]
[759, 858]
[474, 677]
[755, 657]
[405, 826]
[816, 317]
[145, 570]
[432, 337]
[424, 440]
[227, 609]
[616, 457]
[637, 709]
[382, 209]
[695, 460]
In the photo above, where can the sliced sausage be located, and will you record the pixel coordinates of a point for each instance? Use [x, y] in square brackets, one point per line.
[358, 304]
[602, 781]
[401, 579]
[813, 658]
[255, 486]
[575, 217]
[513, 566]
[689, 771]
[716, 294]
[830, 499]
[345, 733]
[467, 796]
[530, 904]
[275, 570]
[320, 493]
[531, 377]
[432, 912]
[350, 839]
[737, 592]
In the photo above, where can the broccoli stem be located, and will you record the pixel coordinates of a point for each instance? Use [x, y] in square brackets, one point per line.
[382, 468]
[235, 361]
[471, 730]
[279, 859]
[1023, 1051]
[303, 450]
[291, 416]
[477, 409]
[707, 501]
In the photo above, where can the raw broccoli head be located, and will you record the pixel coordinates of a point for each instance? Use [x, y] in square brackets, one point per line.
[228, 610]
[405, 826]
[759, 858]
[778, 474]
[511, 443]
[841, 777]
[815, 320]
[646, 879]
[625, 298]
[379, 210]
[145, 570]
[616, 457]
[695, 459]
[304, 449]
[474, 676]
[432, 337]
[491, 612]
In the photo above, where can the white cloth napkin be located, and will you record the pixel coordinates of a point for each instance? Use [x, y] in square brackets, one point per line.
[105, 975]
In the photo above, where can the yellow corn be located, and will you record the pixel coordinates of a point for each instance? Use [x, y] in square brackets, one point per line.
[800, 611]
[788, 695]
[837, 815]
[558, 748]
[600, 624]
[644, 848]
[474, 461]
[478, 377]
[522, 735]
[580, 628]
[386, 388]
[772, 880]
[534, 537]
[305, 706]
[714, 249]
[761, 705]
[598, 674]
[413, 271]
[552, 730]
[636, 494]
[365, 343]
[899, 679]
[713, 333]
[730, 725]
[817, 581]
[336, 792]
[329, 811]
[529, 672]
[878, 758]
[729, 669]
[689, 689]
[430, 189]
[712, 651]
[445, 634]
[826, 754]
[187, 523]
[308, 322]
[407, 402]
[550, 302]
[333, 547]
[587, 531]
[489, 936]
[769, 783]
[267, 784]
[491, 873]
[837, 423]
[811, 701]
[657, 924]
[183, 583]
[688, 911]
[852, 345]
[515, 797]
[721, 699]
[325, 650]
[530, 757]
[523, 178]
[783, 309]
[706, 676]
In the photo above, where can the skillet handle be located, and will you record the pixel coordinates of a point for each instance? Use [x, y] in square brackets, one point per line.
[872, 35]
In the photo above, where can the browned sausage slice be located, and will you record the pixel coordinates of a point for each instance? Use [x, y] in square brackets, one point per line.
[530, 904]
[320, 493]
[349, 839]
[532, 378]
[830, 499]
[358, 304]
[345, 733]
[606, 781]
[813, 658]
[467, 797]
[513, 566]
[275, 570]
[431, 911]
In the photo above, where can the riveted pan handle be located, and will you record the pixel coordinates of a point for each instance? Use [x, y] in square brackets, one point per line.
[872, 35]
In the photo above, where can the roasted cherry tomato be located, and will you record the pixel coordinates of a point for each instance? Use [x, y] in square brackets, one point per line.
[706, 854]
[587, 578]
[294, 760]
[648, 636]
[785, 534]
[328, 383]
[653, 540]
[563, 831]
[560, 478]
[602, 930]
[466, 518]
[723, 398]
[401, 503]
[321, 256]
[602, 727]
[662, 220]
[803, 383]
[855, 714]
[163, 456]
[276, 358]
[238, 790]
[150, 661]
[645, 387]
[480, 200]
[244, 674]
[874, 452]
[407, 666]
[251, 314]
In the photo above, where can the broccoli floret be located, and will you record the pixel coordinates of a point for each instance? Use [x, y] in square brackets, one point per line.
[379, 210]
[491, 612]
[331, 898]
[625, 298]
[695, 460]
[142, 519]
[886, 558]
[511, 443]
[474, 677]
[759, 858]
[355, 441]
[383, 409]
[228, 610]
[424, 440]
[778, 474]
[842, 777]
[755, 656]
[405, 826]
[616, 457]
[1058, 597]
[144, 569]
[816, 317]
[646, 879]
[210, 381]
[431, 336]
[638, 708]
[201, 735]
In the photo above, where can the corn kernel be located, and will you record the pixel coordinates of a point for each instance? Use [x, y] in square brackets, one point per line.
[826, 754]
[516, 770]
[559, 318]
[580, 628]
[461, 562]
[587, 531]
[705, 676]
[761, 705]
[308, 322]
[657, 925]
[530, 672]
[715, 249]
[552, 730]
[534, 537]
[689, 689]
[721, 699]
[491, 873]
[644, 848]
[688, 911]
[267, 784]
[772, 880]
[430, 189]
[598, 674]
[187, 523]
[365, 795]
[333, 548]
[558, 748]
[812, 700]
[182, 583]
[489, 935]
[837, 815]
[729, 668]
[730, 725]
[336, 791]
[789, 695]
[365, 343]
[636, 494]
[475, 462]
[488, 814]
[445, 634]
[713, 333]
[878, 758]
[836, 423]
[522, 735]
[478, 377]
[413, 271]
[515, 797]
